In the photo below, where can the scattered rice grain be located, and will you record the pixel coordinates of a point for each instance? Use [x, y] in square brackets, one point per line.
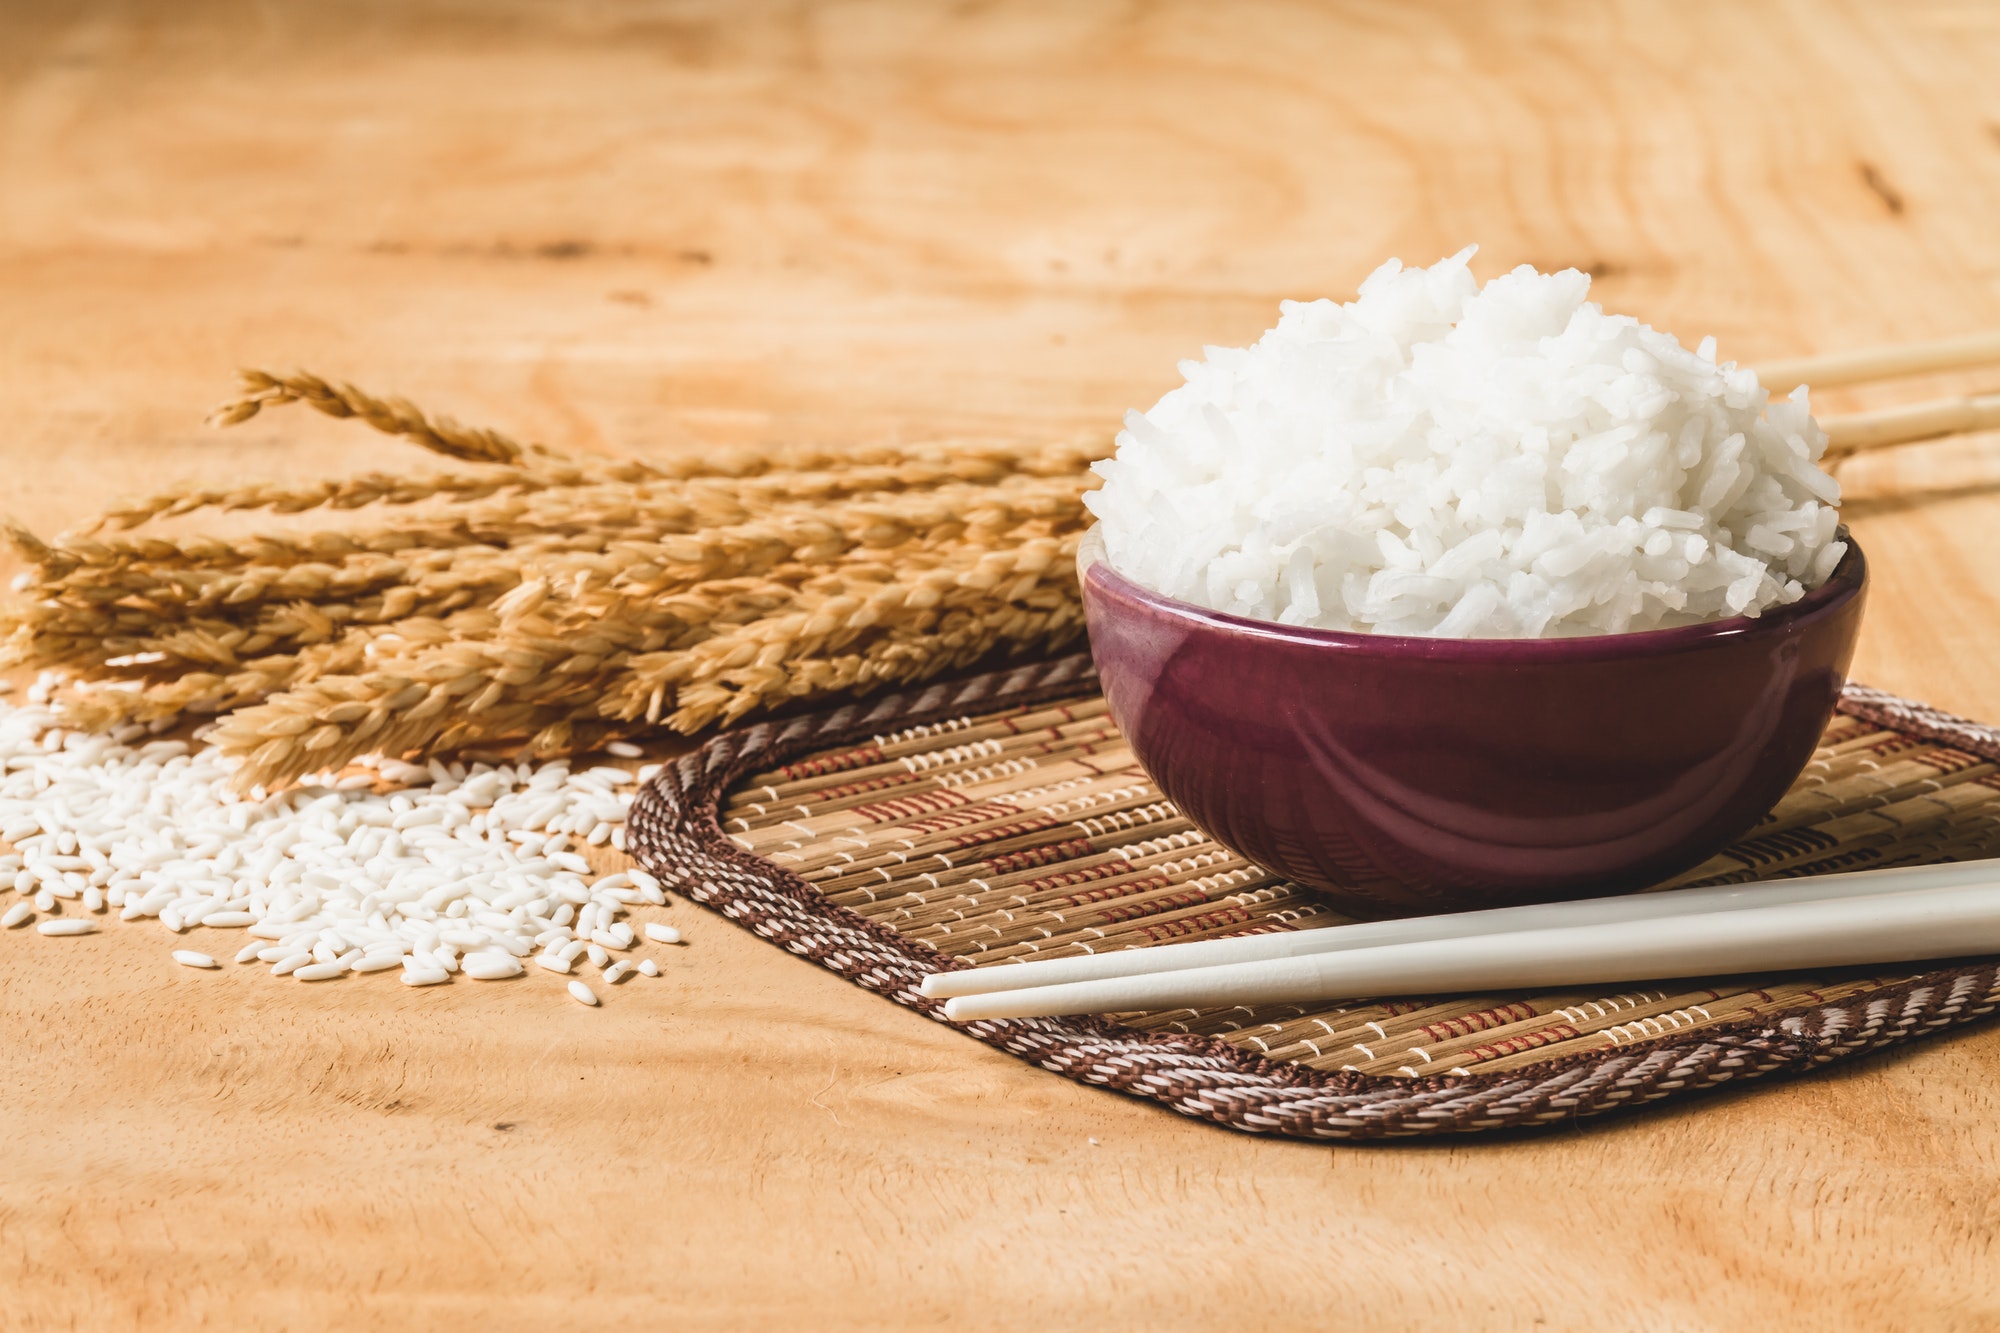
[319, 877]
[490, 966]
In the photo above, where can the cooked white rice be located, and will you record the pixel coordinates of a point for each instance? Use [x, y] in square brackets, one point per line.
[1440, 459]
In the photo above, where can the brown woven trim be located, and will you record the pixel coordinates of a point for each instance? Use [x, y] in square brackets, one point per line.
[674, 835]
[1921, 720]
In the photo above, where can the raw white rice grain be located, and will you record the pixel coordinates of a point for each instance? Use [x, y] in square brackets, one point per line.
[67, 926]
[323, 878]
[664, 934]
[582, 994]
[189, 958]
[490, 966]
[647, 967]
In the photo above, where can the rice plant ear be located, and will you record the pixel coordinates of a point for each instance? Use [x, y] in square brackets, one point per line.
[391, 416]
[25, 543]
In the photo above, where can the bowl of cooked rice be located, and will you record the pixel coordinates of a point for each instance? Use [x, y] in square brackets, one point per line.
[1454, 597]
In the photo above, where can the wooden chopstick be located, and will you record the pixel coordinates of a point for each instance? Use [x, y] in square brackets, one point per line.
[1624, 909]
[1880, 363]
[1907, 425]
[1898, 927]
[1896, 425]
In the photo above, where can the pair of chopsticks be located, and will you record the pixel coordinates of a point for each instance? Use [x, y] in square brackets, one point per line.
[1857, 918]
[1894, 425]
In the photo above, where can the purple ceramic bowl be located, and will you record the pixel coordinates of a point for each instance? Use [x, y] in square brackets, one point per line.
[1411, 775]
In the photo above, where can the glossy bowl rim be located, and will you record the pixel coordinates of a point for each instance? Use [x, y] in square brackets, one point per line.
[1848, 581]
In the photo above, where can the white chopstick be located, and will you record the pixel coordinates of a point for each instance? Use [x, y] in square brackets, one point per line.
[1944, 922]
[1631, 907]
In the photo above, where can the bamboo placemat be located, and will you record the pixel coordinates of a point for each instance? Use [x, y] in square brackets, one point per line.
[1002, 817]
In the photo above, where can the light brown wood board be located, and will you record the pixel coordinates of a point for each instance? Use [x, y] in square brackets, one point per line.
[654, 227]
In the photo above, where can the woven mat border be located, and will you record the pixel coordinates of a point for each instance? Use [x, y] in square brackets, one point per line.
[675, 835]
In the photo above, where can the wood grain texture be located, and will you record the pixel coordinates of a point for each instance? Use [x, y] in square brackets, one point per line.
[658, 226]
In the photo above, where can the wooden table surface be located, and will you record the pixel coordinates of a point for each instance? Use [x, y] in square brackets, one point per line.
[649, 227]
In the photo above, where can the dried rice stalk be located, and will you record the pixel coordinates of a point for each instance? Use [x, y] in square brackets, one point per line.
[391, 416]
[550, 602]
[109, 600]
[622, 661]
[354, 493]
